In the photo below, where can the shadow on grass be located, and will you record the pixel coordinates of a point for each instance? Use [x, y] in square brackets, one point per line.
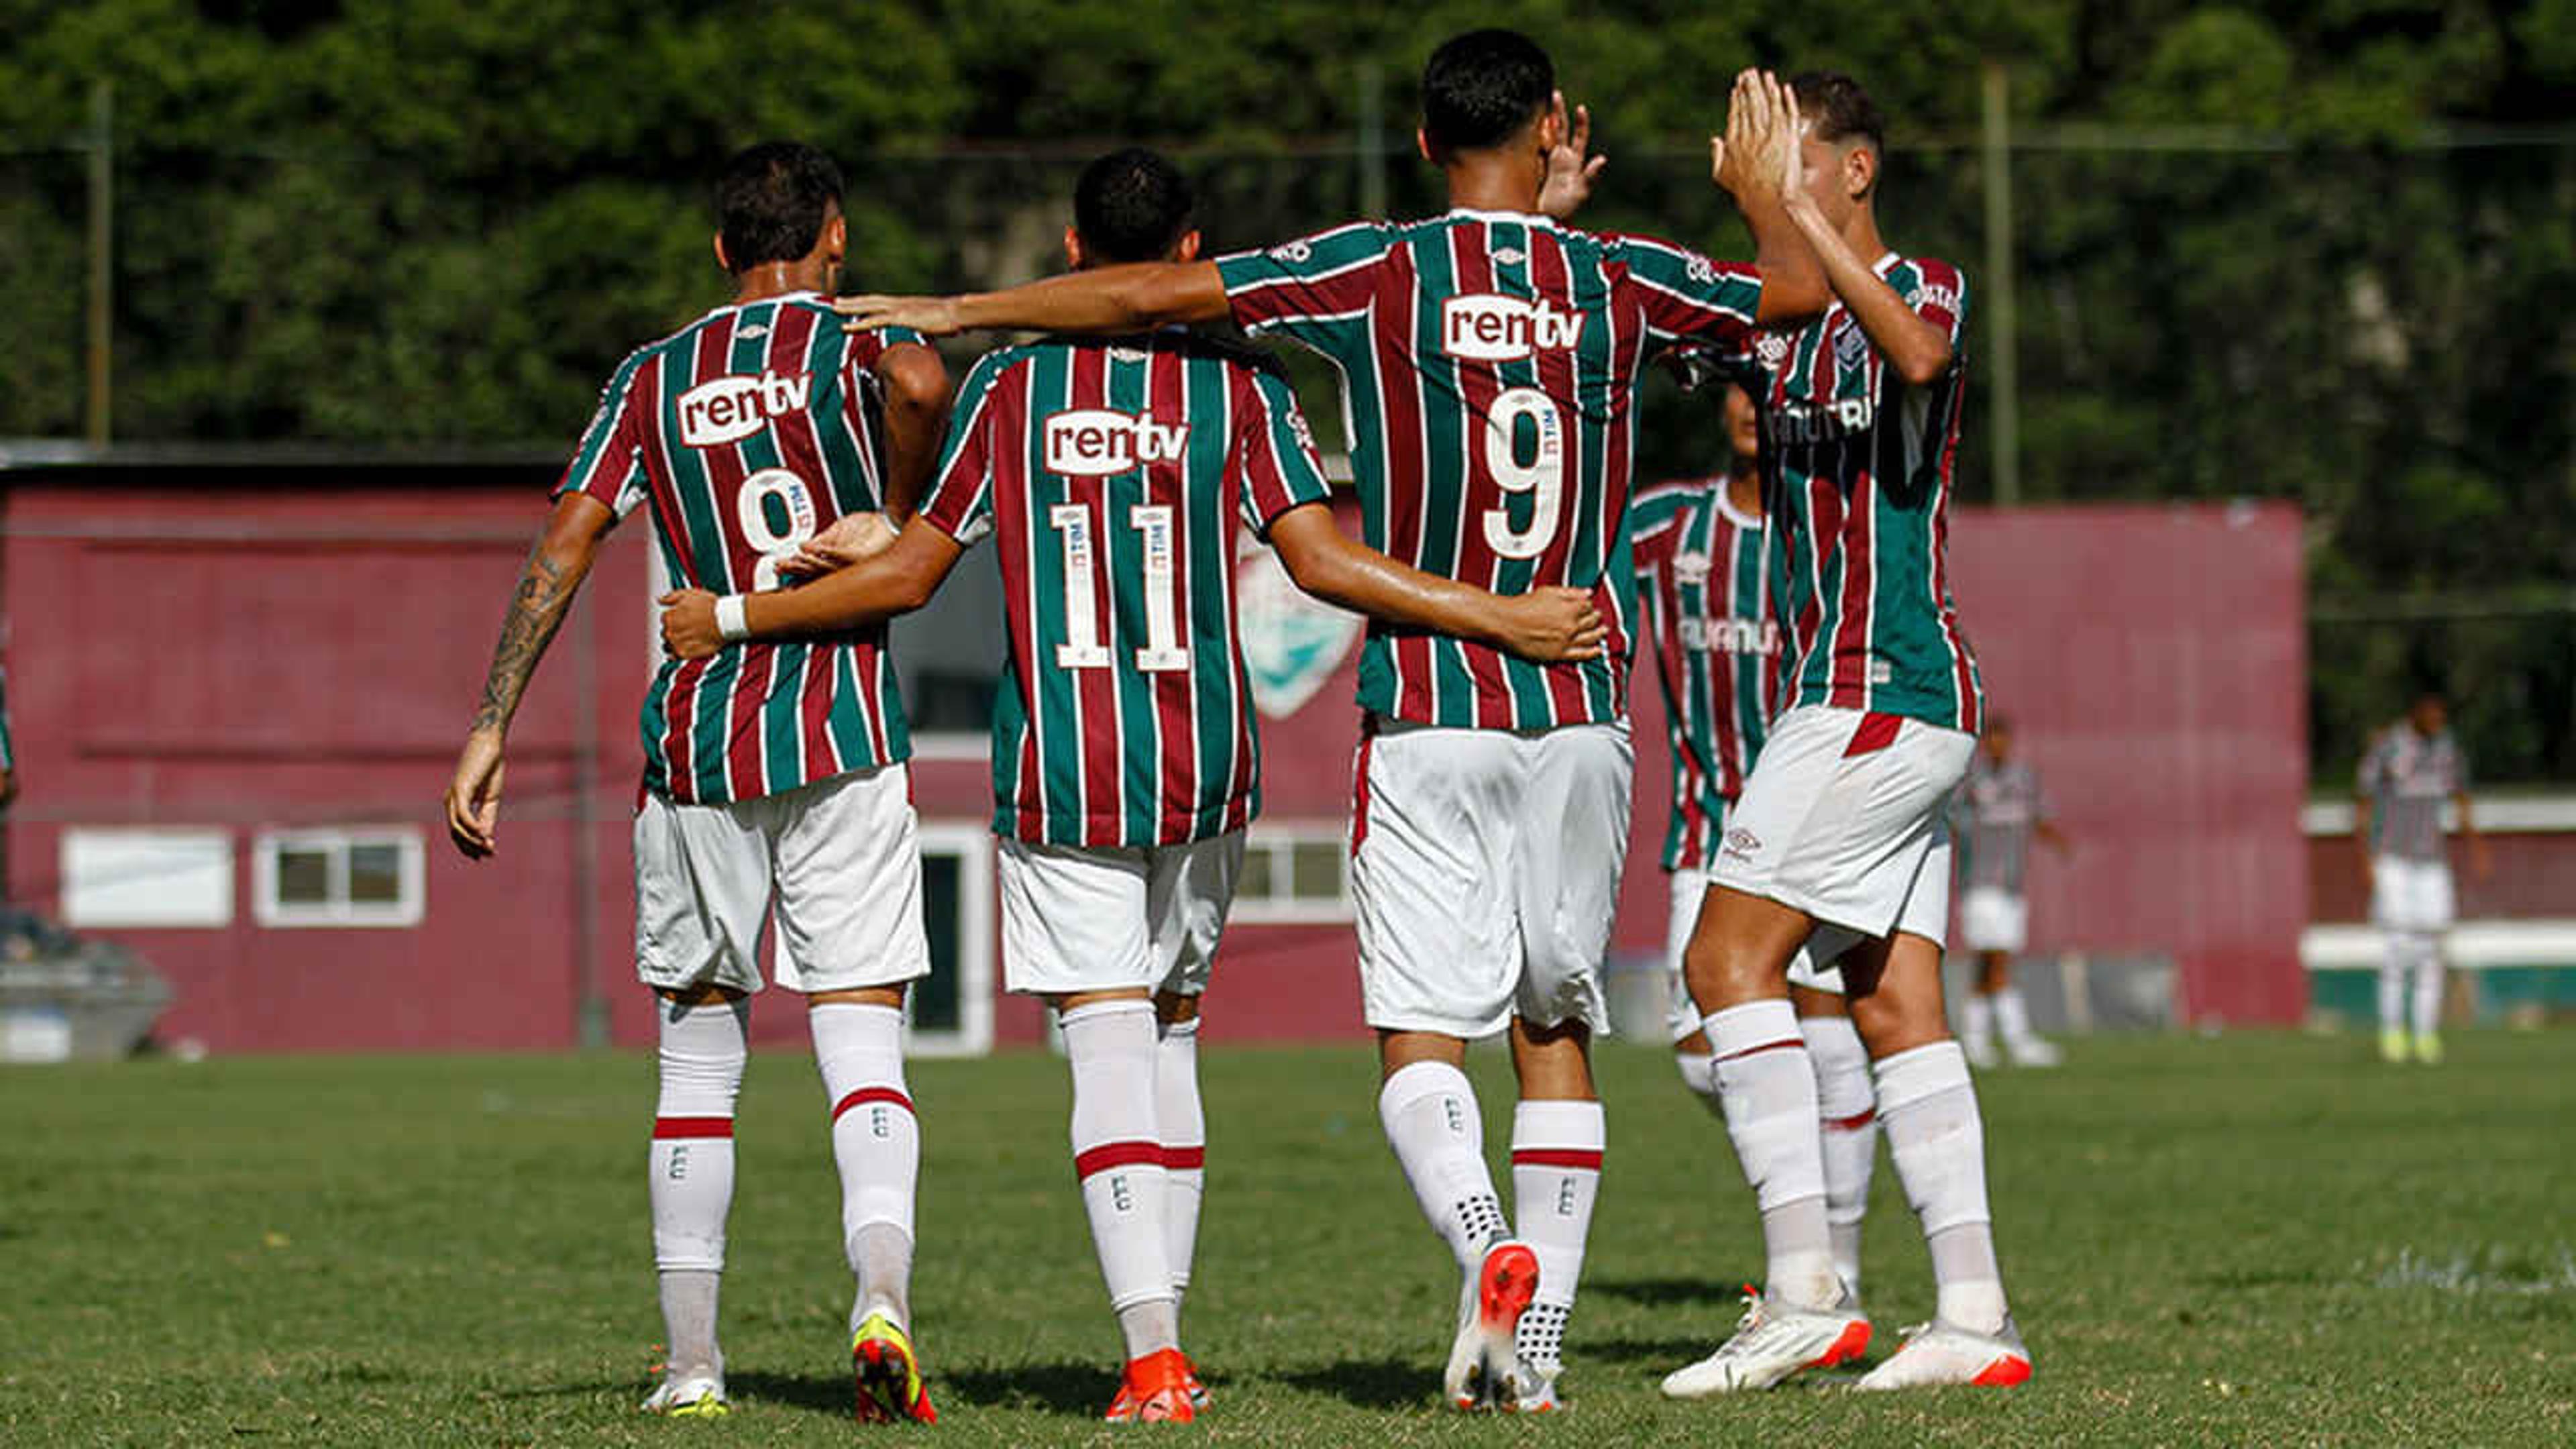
[1665, 1292]
[1375, 1383]
[1672, 1353]
[1083, 1389]
[823, 1393]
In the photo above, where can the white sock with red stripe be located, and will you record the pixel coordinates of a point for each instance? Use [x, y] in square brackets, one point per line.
[1699, 1073]
[703, 1049]
[876, 1144]
[1182, 1124]
[1431, 1120]
[1769, 1090]
[1556, 1176]
[1848, 1109]
[1933, 1131]
[2398, 957]
[2427, 950]
[1118, 1154]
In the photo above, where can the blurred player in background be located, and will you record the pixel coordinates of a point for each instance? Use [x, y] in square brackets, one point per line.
[2410, 770]
[1126, 763]
[1490, 359]
[772, 774]
[1700, 552]
[1996, 812]
[1839, 832]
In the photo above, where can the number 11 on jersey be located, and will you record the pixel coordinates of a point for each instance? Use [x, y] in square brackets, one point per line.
[1083, 647]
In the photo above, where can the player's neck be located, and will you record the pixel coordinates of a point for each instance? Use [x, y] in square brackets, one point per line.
[1494, 181]
[1744, 490]
[1860, 233]
[780, 279]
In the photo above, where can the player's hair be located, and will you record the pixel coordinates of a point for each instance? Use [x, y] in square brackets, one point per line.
[772, 201]
[1838, 109]
[1131, 205]
[1480, 88]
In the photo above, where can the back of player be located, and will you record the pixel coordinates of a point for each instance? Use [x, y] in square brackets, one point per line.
[2413, 769]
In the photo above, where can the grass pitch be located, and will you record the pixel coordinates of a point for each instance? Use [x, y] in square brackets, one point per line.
[2256, 1239]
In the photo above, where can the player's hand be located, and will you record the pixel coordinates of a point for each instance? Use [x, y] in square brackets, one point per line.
[1571, 171]
[847, 541]
[1759, 152]
[474, 796]
[929, 316]
[1550, 625]
[689, 624]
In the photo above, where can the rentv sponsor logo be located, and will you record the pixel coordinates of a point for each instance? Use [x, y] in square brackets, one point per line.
[731, 408]
[1095, 443]
[1486, 328]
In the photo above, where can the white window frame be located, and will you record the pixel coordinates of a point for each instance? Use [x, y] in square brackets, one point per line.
[411, 875]
[201, 900]
[1280, 838]
[972, 845]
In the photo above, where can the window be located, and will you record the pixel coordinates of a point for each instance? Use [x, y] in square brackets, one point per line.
[338, 877]
[147, 877]
[1295, 871]
[952, 1009]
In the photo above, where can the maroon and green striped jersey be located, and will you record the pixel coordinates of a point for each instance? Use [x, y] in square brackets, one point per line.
[1489, 366]
[1112, 473]
[1858, 472]
[749, 431]
[1699, 579]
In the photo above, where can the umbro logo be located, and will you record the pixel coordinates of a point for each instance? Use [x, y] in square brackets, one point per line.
[1691, 567]
[1743, 844]
[1291, 252]
[1510, 256]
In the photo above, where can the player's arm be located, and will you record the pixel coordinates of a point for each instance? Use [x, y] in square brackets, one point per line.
[1546, 624]
[916, 417]
[555, 569]
[1107, 301]
[1916, 346]
[696, 623]
[1757, 163]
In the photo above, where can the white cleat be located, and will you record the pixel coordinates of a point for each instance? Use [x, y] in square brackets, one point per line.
[1481, 1358]
[1937, 1353]
[2033, 1051]
[1771, 1342]
[699, 1396]
[1980, 1051]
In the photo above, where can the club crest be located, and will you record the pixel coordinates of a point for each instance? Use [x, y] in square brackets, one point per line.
[1292, 642]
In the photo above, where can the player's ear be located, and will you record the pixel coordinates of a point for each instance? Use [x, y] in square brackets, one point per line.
[836, 238]
[1187, 248]
[1422, 143]
[1072, 249]
[1860, 171]
[722, 260]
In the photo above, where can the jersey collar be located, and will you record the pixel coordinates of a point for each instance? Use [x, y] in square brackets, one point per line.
[1524, 218]
[1726, 506]
[1885, 264]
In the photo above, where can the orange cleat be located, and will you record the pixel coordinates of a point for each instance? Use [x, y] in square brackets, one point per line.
[1155, 1391]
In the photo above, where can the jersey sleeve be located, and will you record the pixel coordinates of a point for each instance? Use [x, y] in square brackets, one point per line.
[608, 465]
[1315, 290]
[1937, 292]
[1276, 450]
[2372, 777]
[1689, 298]
[959, 501]
[1654, 518]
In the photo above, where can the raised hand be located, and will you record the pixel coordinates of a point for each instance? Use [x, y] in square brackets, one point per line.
[1551, 624]
[929, 316]
[1759, 151]
[474, 796]
[689, 624]
[848, 540]
[1570, 171]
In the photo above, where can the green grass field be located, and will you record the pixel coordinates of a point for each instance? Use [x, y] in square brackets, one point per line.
[2256, 1239]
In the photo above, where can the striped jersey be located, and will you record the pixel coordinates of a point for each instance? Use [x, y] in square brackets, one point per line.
[1489, 363]
[1112, 473]
[1858, 470]
[1699, 581]
[1994, 814]
[749, 431]
[2409, 778]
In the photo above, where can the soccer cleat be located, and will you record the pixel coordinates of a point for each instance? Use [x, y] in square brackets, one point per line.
[1980, 1051]
[1155, 1391]
[1938, 1353]
[1772, 1341]
[888, 1374]
[1481, 1356]
[1190, 1385]
[1526, 1390]
[698, 1396]
[2033, 1051]
[2428, 1048]
[2392, 1044]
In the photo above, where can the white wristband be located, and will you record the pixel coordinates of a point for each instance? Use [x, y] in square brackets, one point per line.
[729, 619]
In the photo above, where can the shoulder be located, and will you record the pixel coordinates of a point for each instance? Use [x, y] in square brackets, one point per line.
[1661, 507]
[996, 368]
[1921, 280]
[1246, 362]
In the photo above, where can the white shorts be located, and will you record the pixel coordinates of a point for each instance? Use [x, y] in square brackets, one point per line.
[1841, 819]
[1485, 873]
[1085, 918]
[1994, 919]
[842, 858]
[1690, 889]
[2410, 895]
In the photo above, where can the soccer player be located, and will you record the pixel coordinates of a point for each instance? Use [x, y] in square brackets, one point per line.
[772, 774]
[1111, 473]
[1699, 546]
[1490, 358]
[2411, 768]
[1839, 833]
[2000, 808]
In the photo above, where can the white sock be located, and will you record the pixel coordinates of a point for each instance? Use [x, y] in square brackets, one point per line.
[1431, 1120]
[1848, 1110]
[703, 1049]
[1119, 1158]
[1769, 1088]
[1556, 1177]
[1699, 1073]
[876, 1144]
[2428, 983]
[1181, 1123]
[1977, 1024]
[1930, 1107]
[2397, 954]
[2012, 1015]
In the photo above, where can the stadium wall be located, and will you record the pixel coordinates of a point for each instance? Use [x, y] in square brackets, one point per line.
[227, 659]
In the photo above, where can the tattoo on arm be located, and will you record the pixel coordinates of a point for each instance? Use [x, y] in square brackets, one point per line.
[537, 610]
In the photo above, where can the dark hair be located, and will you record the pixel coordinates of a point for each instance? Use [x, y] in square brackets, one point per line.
[1131, 206]
[772, 201]
[1480, 88]
[1837, 109]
